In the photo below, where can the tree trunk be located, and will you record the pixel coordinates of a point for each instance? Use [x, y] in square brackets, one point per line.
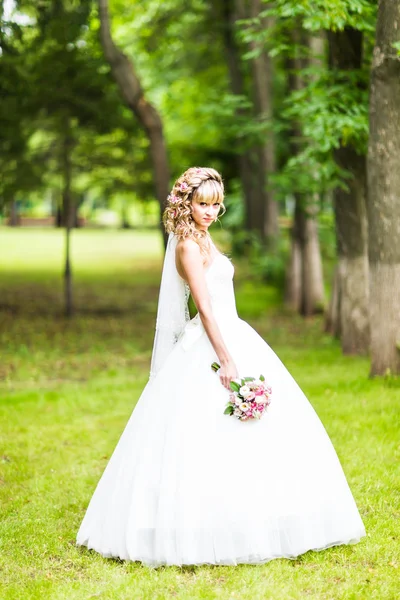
[304, 291]
[132, 92]
[59, 214]
[14, 217]
[352, 286]
[351, 237]
[79, 199]
[245, 161]
[332, 320]
[312, 275]
[124, 215]
[262, 82]
[68, 216]
[68, 210]
[384, 193]
[304, 280]
[293, 283]
[55, 207]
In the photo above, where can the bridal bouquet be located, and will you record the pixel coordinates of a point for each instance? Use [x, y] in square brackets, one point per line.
[249, 398]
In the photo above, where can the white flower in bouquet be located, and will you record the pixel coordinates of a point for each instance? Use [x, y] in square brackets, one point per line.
[244, 391]
[247, 394]
[249, 398]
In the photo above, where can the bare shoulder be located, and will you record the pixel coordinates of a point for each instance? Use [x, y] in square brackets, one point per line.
[188, 249]
[188, 258]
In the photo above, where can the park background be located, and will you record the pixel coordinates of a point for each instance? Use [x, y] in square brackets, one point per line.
[103, 105]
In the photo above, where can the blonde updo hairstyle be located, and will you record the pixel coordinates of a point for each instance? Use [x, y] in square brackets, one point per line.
[202, 184]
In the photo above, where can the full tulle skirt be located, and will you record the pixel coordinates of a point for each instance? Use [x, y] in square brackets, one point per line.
[187, 484]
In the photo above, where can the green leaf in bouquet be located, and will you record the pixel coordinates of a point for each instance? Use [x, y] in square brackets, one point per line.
[215, 366]
[235, 387]
[248, 378]
[229, 410]
[261, 378]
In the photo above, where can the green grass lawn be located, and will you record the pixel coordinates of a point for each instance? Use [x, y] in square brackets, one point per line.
[67, 389]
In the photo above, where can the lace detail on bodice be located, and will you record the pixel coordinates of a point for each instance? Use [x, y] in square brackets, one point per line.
[187, 292]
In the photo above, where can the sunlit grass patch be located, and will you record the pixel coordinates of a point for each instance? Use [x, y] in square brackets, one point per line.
[67, 389]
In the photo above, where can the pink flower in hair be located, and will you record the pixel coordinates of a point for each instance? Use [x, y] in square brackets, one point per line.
[174, 214]
[173, 198]
[184, 186]
[198, 170]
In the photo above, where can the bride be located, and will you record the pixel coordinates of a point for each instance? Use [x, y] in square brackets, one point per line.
[188, 484]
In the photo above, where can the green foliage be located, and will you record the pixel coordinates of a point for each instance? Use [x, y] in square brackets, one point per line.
[18, 172]
[329, 14]
[235, 387]
[330, 107]
[333, 110]
[271, 266]
[180, 56]
[234, 218]
[396, 46]
[81, 104]
[187, 82]
[327, 237]
[264, 264]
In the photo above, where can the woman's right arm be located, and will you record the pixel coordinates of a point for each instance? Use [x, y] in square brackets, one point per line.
[190, 266]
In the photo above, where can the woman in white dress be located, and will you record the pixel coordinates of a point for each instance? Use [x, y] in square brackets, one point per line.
[188, 484]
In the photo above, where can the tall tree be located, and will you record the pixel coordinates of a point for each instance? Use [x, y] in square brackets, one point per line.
[261, 63]
[67, 149]
[132, 92]
[18, 172]
[384, 192]
[230, 12]
[250, 75]
[348, 315]
[304, 291]
[67, 112]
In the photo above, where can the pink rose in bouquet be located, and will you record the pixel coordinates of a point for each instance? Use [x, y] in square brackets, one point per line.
[249, 398]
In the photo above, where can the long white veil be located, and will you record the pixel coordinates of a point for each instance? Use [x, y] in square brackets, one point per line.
[172, 312]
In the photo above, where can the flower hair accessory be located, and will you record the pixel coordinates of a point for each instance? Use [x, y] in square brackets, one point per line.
[196, 183]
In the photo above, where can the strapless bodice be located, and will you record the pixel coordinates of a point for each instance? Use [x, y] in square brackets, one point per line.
[219, 278]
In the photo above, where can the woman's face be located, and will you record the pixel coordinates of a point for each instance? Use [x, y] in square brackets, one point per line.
[204, 212]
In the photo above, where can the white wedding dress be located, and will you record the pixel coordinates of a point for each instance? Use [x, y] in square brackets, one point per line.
[187, 484]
